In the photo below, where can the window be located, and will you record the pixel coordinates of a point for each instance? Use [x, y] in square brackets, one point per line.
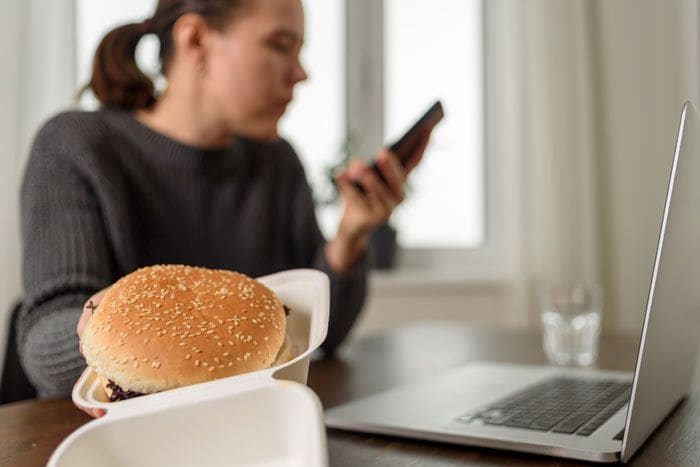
[315, 122]
[403, 54]
[432, 49]
[373, 68]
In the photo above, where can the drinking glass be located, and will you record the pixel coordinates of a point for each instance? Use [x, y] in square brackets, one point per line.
[571, 316]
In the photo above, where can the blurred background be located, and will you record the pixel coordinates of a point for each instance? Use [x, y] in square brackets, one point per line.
[550, 166]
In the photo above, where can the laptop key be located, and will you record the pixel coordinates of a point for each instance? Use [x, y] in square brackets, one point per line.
[561, 405]
[603, 416]
[567, 429]
[498, 420]
[519, 424]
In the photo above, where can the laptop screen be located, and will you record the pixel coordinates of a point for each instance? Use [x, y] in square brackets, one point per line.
[668, 346]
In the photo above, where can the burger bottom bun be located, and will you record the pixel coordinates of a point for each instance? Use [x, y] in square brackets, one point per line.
[285, 354]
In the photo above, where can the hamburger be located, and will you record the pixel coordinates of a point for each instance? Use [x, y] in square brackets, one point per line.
[166, 326]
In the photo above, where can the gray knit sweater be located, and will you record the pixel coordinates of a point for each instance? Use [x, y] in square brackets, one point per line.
[104, 195]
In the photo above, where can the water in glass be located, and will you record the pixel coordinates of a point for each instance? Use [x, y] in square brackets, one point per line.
[571, 324]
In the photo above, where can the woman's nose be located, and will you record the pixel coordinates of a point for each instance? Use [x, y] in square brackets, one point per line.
[299, 74]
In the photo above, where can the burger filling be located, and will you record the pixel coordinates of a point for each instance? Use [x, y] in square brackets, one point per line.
[119, 394]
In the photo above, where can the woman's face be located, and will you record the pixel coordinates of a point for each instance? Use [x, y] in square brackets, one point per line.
[253, 66]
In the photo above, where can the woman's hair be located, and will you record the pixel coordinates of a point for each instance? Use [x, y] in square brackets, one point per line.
[117, 80]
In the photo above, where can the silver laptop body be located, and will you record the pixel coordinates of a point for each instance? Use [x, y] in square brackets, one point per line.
[431, 409]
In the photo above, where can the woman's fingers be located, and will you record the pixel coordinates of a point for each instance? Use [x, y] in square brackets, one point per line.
[393, 173]
[88, 310]
[96, 413]
[380, 197]
[347, 189]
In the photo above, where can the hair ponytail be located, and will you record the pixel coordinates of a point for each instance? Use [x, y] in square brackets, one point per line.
[116, 79]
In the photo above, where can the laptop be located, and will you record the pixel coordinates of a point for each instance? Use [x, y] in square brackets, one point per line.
[587, 414]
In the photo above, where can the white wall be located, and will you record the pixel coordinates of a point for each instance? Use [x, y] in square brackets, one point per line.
[36, 79]
[9, 231]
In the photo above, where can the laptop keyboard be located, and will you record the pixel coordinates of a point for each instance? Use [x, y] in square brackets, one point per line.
[559, 405]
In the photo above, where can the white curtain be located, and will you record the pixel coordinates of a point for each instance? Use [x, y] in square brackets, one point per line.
[560, 178]
[540, 94]
[37, 78]
[585, 98]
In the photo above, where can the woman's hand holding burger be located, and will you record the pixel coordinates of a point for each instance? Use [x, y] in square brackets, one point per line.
[88, 309]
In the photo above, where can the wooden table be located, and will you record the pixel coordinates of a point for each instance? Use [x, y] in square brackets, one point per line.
[30, 431]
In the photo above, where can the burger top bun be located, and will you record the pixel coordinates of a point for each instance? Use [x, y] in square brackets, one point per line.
[163, 327]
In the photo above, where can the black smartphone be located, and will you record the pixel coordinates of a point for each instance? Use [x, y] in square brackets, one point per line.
[407, 144]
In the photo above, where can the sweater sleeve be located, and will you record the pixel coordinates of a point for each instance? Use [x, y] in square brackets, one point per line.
[65, 260]
[349, 289]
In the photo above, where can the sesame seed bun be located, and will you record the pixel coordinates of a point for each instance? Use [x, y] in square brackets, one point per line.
[167, 326]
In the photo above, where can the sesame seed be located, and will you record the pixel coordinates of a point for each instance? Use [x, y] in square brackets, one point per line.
[183, 343]
[216, 359]
[188, 356]
[205, 364]
[226, 354]
[211, 368]
[145, 341]
[196, 363]
[155, 364]
[136, 364]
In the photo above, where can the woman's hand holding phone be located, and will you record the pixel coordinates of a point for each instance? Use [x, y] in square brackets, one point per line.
[364, 210]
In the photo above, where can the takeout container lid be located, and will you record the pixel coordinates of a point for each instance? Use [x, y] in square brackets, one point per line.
[267, 417]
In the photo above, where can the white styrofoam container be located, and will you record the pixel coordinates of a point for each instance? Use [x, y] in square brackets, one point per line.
[265, 418]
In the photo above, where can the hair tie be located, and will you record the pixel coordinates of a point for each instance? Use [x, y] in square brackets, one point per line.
[146, 26]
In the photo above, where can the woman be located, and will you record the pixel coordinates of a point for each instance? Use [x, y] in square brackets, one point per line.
[195, 176]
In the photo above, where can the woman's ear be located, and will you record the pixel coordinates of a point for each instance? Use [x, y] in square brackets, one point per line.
[191, 38]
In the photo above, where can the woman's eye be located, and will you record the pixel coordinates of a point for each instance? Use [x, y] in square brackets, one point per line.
[280, 46]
